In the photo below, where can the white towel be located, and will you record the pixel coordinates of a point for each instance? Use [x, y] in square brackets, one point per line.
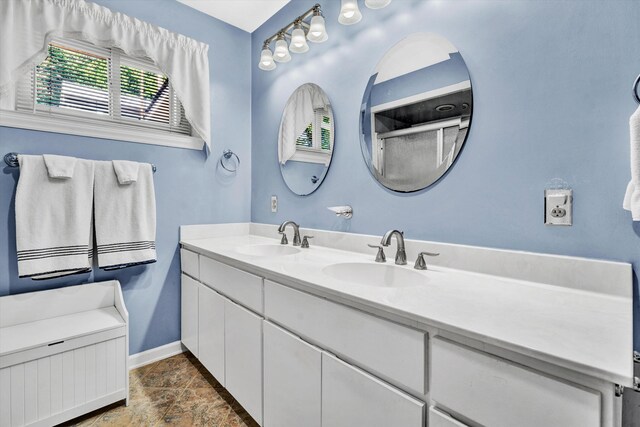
[632, 196]
[53, 220]
[125, 218]
[126, 171]
[60, 167]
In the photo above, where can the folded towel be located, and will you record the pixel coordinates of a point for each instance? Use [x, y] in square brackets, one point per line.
[125, 218]
[632, 196]
[126, 171]
[53, 220]
[60, 167]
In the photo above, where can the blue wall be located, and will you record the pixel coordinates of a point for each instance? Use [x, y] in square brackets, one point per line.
[552, 99]
[190, 189]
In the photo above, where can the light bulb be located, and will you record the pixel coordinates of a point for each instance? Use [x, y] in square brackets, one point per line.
[298, 41]
[349, 13]
[281, 52]
[376, 4]
[317, 32]
[266, 60]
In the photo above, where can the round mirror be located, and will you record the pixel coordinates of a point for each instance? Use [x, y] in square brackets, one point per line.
[305, 141]
[415, 113]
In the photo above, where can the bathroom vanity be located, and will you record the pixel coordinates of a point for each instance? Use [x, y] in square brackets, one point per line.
[325, 336]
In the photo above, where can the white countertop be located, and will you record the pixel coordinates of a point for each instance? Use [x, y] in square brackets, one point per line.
[585, 331]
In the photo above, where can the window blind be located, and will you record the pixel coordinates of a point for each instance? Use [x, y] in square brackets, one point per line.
[78, 79]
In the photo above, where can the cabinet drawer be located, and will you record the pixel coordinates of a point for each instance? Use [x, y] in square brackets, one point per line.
[242, 287]
[393, 352]
[351, 397]
[495, 392]
[189, 263]
[440, 419]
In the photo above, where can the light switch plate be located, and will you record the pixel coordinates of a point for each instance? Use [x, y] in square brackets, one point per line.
[558, 207]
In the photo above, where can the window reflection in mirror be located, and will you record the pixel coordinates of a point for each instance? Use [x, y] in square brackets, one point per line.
[306, 138]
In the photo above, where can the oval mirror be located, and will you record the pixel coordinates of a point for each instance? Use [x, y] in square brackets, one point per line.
[305, 141]
[415, 113]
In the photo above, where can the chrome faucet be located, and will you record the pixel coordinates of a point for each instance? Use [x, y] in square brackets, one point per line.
[401, 255]
[296, 232]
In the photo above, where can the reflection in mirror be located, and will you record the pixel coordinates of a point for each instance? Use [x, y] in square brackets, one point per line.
[415, 113]
[305, 141]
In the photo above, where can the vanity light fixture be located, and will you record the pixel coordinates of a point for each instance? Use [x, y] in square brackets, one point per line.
[350, 13]
[298, 40]
[281, 53]
[266, 59]
[298, 32]
[376, 4]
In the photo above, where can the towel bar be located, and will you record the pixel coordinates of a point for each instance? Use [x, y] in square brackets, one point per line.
[11, 159]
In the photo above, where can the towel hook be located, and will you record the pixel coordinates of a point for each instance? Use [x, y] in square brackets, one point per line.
[635, 89]
[11, 159]
[226, 155]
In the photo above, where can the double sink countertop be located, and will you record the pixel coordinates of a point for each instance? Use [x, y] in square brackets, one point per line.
[589, 332]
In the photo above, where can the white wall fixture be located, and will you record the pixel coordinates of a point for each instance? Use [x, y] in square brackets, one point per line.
[350, 13]
[301, 31]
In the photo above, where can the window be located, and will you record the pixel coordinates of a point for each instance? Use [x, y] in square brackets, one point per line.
[79, 84]
[314, 144]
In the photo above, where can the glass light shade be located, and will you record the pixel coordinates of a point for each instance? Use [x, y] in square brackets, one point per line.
[349, 12]
[376, 4]
[266, 60]
[317, 32]
[281, 53]
[298, 41]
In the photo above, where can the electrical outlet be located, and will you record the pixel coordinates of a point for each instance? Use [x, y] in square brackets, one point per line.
[274, 204]
[558, 207]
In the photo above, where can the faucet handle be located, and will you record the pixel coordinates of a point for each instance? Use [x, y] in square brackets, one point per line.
[420, 263]
[284, 240]
[380, 255]
[305, 242]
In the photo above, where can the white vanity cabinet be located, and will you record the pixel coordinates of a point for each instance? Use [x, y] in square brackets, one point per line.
[292, 380]
[495, 392]
[211, 315]
[189, 313]
[243, 357]
[352, 397]
[293, 358]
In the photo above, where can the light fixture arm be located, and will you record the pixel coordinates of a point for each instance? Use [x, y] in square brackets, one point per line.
[285, 31]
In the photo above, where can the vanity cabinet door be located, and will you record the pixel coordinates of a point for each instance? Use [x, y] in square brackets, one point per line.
[496, 392]
[440, 419]
[211, 332]
[352, 397]
[292, 380]
[189, 313]
[243, 357]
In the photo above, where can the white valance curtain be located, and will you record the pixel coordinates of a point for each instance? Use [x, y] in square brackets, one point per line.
[27, 27]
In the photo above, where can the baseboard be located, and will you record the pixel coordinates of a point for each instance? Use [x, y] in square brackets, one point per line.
[153, 355]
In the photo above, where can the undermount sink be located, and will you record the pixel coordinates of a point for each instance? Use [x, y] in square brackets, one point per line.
[377, 275]
[267, 250]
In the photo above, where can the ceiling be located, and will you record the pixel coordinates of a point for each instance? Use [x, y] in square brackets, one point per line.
[247, 15]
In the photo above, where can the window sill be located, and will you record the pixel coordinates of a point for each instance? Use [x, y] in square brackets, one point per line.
[311, 156]
[71, 126]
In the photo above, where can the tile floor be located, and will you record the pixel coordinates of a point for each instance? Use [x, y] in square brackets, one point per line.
[175, 391]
